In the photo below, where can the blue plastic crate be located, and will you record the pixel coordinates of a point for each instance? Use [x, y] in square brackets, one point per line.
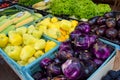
[31, 69]
[106, 61]
[19, 69]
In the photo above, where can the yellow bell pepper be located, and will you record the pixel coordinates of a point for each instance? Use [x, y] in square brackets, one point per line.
[15, 38]
[54, 19]
[38, 53]
[53, 33]
[74, 23]
[61, 38]
[3, 40]
[40, 44]
[49, 45]
[31, 59]
[22, 63]
[65, 25]
[27, 52]
[13, 52]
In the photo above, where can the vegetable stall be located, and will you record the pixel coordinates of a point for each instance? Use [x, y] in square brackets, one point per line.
[59, 39]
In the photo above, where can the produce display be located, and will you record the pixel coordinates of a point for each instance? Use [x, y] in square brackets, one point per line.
[17, 20]
[57, 29]
[27, 36]
[112, 75]
[80, 9]
[107, 26]
[76, 58]
[24, 45]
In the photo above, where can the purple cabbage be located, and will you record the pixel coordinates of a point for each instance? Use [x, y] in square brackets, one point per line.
[54, 69]
[84, 56]
[83, 27]
[45, 62]
[73, 69]
[82, 42]
[75, 34]
[98, 61]
[66, 44]
[64, 54]
[101, 51]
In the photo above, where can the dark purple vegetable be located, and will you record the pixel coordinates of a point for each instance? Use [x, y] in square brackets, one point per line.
[94, 28]
[83, 27]
[73, 69]
[64, 54]
[101, 51]
[110, 22]
[57, 61]
[45, 62]
[101, 31]
[93, 20]
[66, 44]
[111, 33]
[90, 67]
[82, 42]
[93, 38]
[60, 77]
[85, 56]
[37, 75]
[74, 34]
[54, 69]
[101, 21]
[98, 61]
[109, 14]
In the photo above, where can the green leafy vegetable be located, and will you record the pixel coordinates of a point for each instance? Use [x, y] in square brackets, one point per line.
[78, 8]
[103, 8]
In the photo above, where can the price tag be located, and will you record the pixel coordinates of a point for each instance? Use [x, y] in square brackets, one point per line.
[20, 14]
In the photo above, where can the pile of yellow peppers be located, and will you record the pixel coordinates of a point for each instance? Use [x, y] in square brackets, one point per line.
[57, 29]
[24, 45]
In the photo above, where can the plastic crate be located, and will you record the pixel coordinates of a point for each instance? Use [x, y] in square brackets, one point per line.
[31, 69]
[19, 69]
[92, 77]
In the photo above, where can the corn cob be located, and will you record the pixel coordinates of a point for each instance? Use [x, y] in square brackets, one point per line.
[11, 27]
[5, 25]
[18, 18]
[13, 16]
[26, 21]
[3, 21]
